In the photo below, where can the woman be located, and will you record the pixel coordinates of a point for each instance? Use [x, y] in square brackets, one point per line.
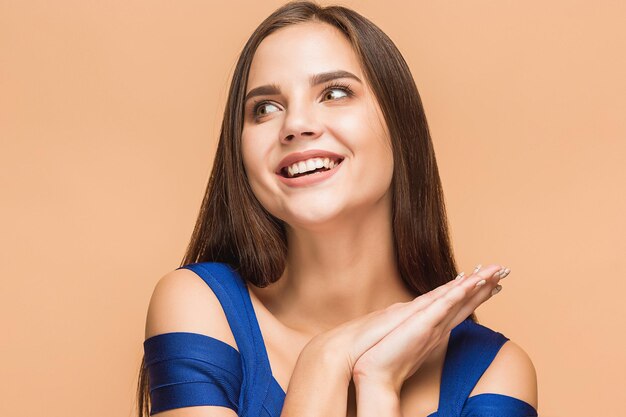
[320, 277]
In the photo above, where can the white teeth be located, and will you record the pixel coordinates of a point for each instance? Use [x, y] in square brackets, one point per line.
[310, 165]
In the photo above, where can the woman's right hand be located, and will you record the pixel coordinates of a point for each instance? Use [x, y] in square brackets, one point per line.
[436, 313]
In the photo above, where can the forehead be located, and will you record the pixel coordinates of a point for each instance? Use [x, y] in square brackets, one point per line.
[293, 53]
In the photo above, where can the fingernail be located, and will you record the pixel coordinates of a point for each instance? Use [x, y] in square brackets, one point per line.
[505, 273]
[496, 290]
[477, 268]
[481, 283]
[460, 275]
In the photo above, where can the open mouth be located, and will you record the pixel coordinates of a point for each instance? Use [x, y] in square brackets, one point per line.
[310, 167]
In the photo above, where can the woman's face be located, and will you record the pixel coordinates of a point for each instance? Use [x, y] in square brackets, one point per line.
[296, 113]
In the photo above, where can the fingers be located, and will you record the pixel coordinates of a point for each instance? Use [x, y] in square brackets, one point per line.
[489, 279]
[375, 326]
[466, 290]
[438, 315]
[425, 300]
[440, 309]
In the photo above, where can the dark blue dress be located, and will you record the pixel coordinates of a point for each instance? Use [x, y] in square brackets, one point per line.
[190, 369]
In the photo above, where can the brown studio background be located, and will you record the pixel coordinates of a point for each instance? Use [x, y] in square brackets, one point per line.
[109, 114]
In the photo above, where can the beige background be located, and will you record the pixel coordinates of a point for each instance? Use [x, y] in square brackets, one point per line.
[109, 113]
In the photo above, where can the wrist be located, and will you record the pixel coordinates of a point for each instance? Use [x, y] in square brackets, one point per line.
[375, 398]
[372, 381]
[315, 373]
[320, 356]
[366, 385]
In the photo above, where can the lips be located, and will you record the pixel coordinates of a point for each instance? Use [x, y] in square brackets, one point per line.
[302, 156]
[310, 180]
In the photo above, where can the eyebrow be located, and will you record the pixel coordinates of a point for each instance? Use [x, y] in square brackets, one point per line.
[274, 89]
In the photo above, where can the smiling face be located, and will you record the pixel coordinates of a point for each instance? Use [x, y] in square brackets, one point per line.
[309, 93]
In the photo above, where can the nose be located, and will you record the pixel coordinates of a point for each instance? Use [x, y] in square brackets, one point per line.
[300, 122]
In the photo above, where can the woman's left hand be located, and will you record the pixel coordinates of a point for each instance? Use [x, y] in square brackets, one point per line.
[397, 356]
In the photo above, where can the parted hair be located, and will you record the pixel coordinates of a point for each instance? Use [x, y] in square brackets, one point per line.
[234, 228]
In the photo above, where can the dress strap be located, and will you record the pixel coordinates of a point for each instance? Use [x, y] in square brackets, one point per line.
[232, 293]
[471, 350]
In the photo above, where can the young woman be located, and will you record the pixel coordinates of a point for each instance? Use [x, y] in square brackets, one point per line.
[320, 279]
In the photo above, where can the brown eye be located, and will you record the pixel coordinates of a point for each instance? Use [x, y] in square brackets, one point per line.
[331, 91]
[329, 94]
[261, 105]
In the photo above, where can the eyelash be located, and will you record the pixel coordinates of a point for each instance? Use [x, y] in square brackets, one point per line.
[335, 85]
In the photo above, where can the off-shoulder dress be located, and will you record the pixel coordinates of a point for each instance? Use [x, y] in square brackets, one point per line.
[190, 369]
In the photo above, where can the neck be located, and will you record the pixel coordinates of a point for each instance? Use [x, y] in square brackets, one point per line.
[337, 274]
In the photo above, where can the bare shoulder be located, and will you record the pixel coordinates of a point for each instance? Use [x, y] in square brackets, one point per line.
[511, 373]
[182, 302]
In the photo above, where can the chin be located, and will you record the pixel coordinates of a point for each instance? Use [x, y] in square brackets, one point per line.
[313, 218]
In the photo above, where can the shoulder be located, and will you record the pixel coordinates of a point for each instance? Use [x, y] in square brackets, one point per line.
[182, 302]
[510, 373]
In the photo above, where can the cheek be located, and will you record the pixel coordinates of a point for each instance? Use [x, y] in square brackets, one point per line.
[254, 152]
[364, 133]
[349, 126]
[251, 163]
[375, 145]
[246, 156]
[381, 141]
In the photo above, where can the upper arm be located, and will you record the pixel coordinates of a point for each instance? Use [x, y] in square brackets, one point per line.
[183, 302]
[511, 373]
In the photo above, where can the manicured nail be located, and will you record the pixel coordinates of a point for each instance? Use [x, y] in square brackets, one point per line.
[505, 273]
[460, 275]
[496, 290]
[477, 268]
[481, 283]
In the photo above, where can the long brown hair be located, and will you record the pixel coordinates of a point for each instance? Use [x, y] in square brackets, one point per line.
[234, 228]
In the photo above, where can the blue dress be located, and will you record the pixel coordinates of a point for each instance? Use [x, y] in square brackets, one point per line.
[190, 369]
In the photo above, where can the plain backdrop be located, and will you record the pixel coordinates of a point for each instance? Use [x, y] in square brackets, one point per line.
[109, 115]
